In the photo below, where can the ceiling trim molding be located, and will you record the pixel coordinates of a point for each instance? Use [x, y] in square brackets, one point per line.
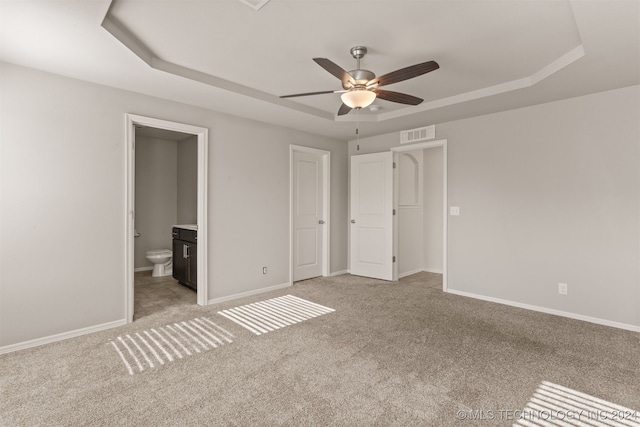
[525, 82]
[127, 38]
[135, 45]
[557, 65]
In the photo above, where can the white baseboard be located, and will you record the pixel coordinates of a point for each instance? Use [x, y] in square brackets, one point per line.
[432, 270]
[59, 337]
[567, 314]
[136, 270]
[248, 293]
[338, 273]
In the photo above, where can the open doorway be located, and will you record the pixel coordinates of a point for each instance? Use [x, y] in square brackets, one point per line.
[421, 205]
[166, 187]
[165, 198]
[374, 201]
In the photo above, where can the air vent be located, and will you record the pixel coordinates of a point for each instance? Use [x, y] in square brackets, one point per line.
[254, 4]
[419, 134]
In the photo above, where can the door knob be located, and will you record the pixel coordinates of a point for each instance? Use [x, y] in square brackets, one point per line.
[353, 221]
[321, 222]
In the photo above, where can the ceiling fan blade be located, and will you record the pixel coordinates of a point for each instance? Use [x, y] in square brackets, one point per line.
[405, 73]
[335, 69]
[312, 93]
[344, 109]
[401, 98]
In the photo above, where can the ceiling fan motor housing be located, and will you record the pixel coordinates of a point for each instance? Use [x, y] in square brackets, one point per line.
[358, 51]
[362, 77]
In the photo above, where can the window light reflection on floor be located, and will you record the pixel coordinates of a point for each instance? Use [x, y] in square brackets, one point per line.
[555, 405]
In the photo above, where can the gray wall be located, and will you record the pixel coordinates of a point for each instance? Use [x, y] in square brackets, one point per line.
[188, 181]
[548, 194]
[63, 172]
[156, 195]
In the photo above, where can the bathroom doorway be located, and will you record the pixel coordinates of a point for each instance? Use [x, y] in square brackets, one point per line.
[166, 186]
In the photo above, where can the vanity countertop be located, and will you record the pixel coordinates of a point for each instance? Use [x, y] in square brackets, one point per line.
[188, 226]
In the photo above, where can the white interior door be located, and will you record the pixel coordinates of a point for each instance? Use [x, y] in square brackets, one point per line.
[308, 209]
[371, 249]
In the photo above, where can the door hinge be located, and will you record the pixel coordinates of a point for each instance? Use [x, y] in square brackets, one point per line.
[394, 258]
[394, 211]
[394, 165]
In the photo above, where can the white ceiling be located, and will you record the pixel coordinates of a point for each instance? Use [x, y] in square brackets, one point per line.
[226, 56]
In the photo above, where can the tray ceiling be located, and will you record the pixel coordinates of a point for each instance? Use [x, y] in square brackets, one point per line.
[223, 55]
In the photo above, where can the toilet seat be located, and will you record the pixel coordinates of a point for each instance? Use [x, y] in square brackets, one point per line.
[159, 253]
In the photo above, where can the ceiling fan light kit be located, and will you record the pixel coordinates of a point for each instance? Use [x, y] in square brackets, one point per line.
[361, 86]
[358, 98]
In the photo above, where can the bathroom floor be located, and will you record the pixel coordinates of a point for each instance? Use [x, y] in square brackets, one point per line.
[154, 294]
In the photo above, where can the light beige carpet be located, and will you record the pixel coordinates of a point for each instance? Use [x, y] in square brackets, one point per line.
[390, 354]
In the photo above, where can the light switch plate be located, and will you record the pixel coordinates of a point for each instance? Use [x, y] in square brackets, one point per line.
[454, 210]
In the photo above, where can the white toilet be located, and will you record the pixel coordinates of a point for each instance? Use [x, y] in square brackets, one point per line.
[162, 263]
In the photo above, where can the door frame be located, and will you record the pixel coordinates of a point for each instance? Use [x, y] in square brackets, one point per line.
[326, 208]
[131, 120]
[445, 227]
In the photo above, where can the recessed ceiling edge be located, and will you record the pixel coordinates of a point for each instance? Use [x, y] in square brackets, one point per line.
[254, 4]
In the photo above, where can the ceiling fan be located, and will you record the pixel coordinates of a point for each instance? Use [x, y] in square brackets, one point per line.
[361, 87]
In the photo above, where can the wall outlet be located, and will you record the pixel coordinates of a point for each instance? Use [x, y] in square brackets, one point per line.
[264, 270]
[563, 288]
[454, 210]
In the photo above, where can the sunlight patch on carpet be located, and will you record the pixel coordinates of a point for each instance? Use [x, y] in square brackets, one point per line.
[154, 347]
[272, 314]
[555, 405]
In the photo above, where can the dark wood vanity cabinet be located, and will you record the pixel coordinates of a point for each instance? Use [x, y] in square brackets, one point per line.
[185, 257]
